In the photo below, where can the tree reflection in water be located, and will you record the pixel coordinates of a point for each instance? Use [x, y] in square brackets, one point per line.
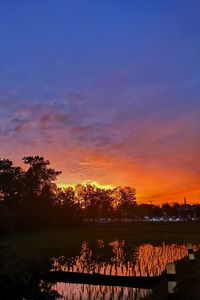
[95, 292]
[115, 258]
[120, 258]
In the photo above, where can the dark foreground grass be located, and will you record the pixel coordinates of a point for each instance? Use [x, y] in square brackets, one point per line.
[24, 253]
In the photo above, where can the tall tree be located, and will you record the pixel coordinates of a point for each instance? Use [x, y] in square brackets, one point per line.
[124, 200]
[39, 189]
[11, 182]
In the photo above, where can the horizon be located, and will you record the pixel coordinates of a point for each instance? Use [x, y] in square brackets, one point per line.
[61, 185]
[108, 92]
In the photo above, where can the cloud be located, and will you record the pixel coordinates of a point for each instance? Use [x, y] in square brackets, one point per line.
[147, 142]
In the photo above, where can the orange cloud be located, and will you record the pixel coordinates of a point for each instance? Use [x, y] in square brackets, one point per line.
[160, 158]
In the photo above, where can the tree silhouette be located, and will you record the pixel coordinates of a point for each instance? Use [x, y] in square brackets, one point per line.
[66, 210]
[31, 199]
[11, 182]
[39, 190]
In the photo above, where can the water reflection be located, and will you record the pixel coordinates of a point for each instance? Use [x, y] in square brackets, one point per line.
[95, 292]
[115, 258]
[119, 258]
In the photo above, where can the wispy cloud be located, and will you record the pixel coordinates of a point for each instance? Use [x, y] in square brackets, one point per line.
[145, 138]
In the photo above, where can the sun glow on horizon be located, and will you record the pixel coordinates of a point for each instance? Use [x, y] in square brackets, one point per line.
[87, 182]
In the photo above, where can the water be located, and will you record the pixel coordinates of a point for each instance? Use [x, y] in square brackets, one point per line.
[93, 292]
[115, 258]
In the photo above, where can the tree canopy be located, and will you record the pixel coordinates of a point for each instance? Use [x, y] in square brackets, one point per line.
[37, 201]
[31, 199]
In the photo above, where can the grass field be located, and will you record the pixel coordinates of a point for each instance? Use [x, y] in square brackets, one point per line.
[21, 253]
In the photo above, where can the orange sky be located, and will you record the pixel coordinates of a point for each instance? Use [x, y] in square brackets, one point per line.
[161, 159]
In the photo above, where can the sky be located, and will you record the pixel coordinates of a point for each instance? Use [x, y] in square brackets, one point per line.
[108, 91]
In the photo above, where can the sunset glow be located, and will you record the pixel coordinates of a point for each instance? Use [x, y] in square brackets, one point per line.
[64, 185]
[108, 92]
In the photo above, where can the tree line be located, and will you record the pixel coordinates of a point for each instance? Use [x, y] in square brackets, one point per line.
[31, 199]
